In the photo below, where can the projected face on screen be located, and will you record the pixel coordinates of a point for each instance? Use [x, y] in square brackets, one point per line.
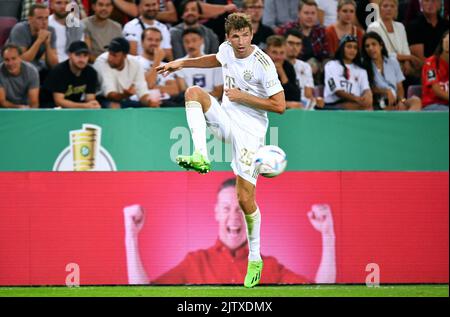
[232, 229]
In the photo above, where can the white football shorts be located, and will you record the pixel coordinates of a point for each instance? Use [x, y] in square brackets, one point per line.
[244, 145]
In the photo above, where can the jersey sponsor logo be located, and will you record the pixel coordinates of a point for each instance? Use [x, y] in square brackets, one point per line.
[248, 74]
[199, 80]
[431, 75]
[346, 85]
[230, 82]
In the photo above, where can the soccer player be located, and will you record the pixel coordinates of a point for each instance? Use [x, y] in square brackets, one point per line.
[251, 88]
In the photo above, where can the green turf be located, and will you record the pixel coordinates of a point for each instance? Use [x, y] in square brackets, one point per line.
[233, 291]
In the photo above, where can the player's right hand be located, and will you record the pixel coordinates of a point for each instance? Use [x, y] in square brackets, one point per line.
[134, 217]
[169, 67]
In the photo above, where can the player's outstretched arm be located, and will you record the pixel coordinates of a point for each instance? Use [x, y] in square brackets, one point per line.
[134, 218]
[275, 103]
[205, 61]
[322, 220]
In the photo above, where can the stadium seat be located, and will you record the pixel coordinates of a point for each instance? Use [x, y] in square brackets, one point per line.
[6, 24]
[414, 90]
[318, 91]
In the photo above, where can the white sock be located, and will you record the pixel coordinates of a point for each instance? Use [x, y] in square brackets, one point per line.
[253, 235]
[197, 124]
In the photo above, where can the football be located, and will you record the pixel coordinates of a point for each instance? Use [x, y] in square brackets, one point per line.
[270, 161]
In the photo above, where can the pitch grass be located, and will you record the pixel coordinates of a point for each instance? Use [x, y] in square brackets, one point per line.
[436, 290]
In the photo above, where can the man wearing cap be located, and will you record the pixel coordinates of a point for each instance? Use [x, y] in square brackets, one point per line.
[72, 84]
[121, 76]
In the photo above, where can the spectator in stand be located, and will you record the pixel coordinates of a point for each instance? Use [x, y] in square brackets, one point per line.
[327, 12]
[217, 22]
[425, 32]
[302, 70]
[36, 39]
[435, 90]
[414, 9]
[162, 88]
[121, 76]
[72, 83]
[385, 76]
[19, 80]
[132, 31]
[280, 12]
[210, 79]
[346, 81]
[276, 49]
[100, 29]
[315, 46]
[255, 9]
[27, 4]
[345, 25]
[65, 35]
[190, 13]
[167, 12]
[394, 38]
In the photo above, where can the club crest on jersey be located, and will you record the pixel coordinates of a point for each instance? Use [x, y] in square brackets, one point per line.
[332, 84]
[431, 75]
[248, 74]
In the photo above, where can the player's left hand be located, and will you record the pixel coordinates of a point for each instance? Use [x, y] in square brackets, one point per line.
[234, 94]
[321, 219]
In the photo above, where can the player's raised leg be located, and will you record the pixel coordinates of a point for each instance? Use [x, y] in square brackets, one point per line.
[197, 103]
[246, 197]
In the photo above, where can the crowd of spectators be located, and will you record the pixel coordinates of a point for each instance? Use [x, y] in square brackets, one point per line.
[329, 54]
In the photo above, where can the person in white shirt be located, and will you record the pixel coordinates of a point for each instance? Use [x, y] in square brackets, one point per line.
[121, 76]
[162, 88]
[394, 37]
[346, 81]
[132, 31]
[252, 88]
[64, 35]
[303, 71]
[210, 79]
[327, 11]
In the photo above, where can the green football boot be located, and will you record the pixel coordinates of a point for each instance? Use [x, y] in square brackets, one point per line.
[196, 162]
[253, 276]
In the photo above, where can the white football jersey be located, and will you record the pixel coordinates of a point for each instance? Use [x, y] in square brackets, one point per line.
[132, 31]
[207, 78]
[335, 80]
[304, 76]
[256, 75]
[147, 65]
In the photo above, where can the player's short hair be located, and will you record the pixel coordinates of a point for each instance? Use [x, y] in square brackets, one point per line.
[237, 21]
[191, 31]
[276, 41]
[307, 3]
[184, 4]
[150, 29]
[11, 46]
[295, 33]
[36, 6]
[230, 182]
[342, 3]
